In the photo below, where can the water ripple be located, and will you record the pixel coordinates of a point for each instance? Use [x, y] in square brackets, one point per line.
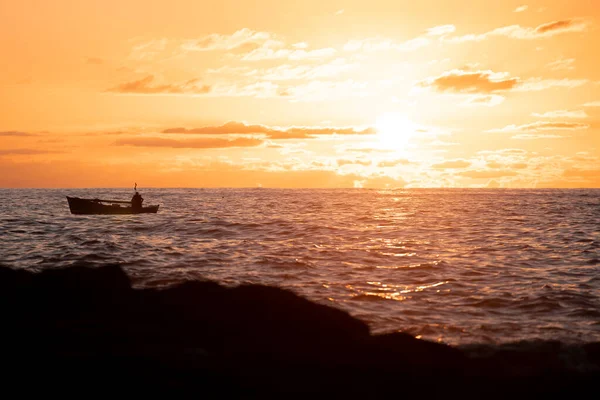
[459, 266]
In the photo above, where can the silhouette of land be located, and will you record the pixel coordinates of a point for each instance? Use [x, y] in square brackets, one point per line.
[86, 330]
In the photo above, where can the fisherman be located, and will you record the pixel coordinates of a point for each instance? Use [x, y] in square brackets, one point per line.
[136, 200]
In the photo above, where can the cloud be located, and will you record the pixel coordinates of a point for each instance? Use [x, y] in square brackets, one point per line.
[592, 104]
[521, 8]
[313, 90]
[322, 90]
[267, 53]
[365, 163]
[378, 181]
[527, 33]
[488, 82]
[148, 50]
[145, 86]
[493, 164]
[63, 174]
[393, 163]
[231, 127]
[556, 26]
[518, 166]
[108, 133]
[489, 100]
[293, 132]
[536, 84]
[542, 126]
[452, 164]
[562, 114]
[532, 136]
[7, 152]
[562, 64]
[441, 30]
[255, 46]
[17, 133]
[339, 12]
[504, 152]
[486, 174]
[244, 44]
[287, 72]
[236, 40]
[380, 44]
[204, 143]
[459, 81]
[260, 90]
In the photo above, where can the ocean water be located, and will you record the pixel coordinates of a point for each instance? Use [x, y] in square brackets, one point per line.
[458, 266]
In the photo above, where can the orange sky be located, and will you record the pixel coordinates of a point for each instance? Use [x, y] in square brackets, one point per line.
[186, 93]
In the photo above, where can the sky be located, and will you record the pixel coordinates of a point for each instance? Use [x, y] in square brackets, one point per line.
[310, 94]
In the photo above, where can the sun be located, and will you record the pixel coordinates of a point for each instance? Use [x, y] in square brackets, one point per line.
[394, 130]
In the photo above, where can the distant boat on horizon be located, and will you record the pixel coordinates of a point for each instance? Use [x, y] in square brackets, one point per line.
[97, 206]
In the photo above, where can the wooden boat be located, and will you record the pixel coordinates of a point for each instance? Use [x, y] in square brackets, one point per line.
[97, 206]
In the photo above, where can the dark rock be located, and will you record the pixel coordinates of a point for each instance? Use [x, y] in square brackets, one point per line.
[87, 327]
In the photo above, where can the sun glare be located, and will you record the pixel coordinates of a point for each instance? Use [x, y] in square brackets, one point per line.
[394, 130]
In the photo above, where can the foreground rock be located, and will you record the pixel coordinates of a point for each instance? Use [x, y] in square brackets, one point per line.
[87, 329]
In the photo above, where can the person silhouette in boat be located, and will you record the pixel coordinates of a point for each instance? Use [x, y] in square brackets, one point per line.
[136, 200]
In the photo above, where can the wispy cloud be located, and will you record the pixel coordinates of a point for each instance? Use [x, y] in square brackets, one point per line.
[17, 133]
[528, 33]
[452, 164]
[486, 174]
[251, 45]
[287, 72]
[460, 81]
[562, 114]
[364, 163]
[148, 51]
[542, 126]
[293, 132]
[504, 152]
[592, 104]
[521, 8]
[323, 90]
[536, 84]
[203, 143]
[441, 30]
[489, 100]
[484, 83]
[393, 163]
[146, 86]
[532, 136]
[238, 39]
[7, 152]
[269, 53]
[381, 44]
[564, 64]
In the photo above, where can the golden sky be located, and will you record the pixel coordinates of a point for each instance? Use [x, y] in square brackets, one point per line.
[278, 93]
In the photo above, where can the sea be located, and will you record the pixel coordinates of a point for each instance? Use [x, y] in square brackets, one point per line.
[457, 266]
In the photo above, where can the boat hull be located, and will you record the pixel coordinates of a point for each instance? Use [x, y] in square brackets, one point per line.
[90, 206]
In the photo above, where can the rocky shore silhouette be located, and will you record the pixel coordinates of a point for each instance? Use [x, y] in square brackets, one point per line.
[84, 328]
